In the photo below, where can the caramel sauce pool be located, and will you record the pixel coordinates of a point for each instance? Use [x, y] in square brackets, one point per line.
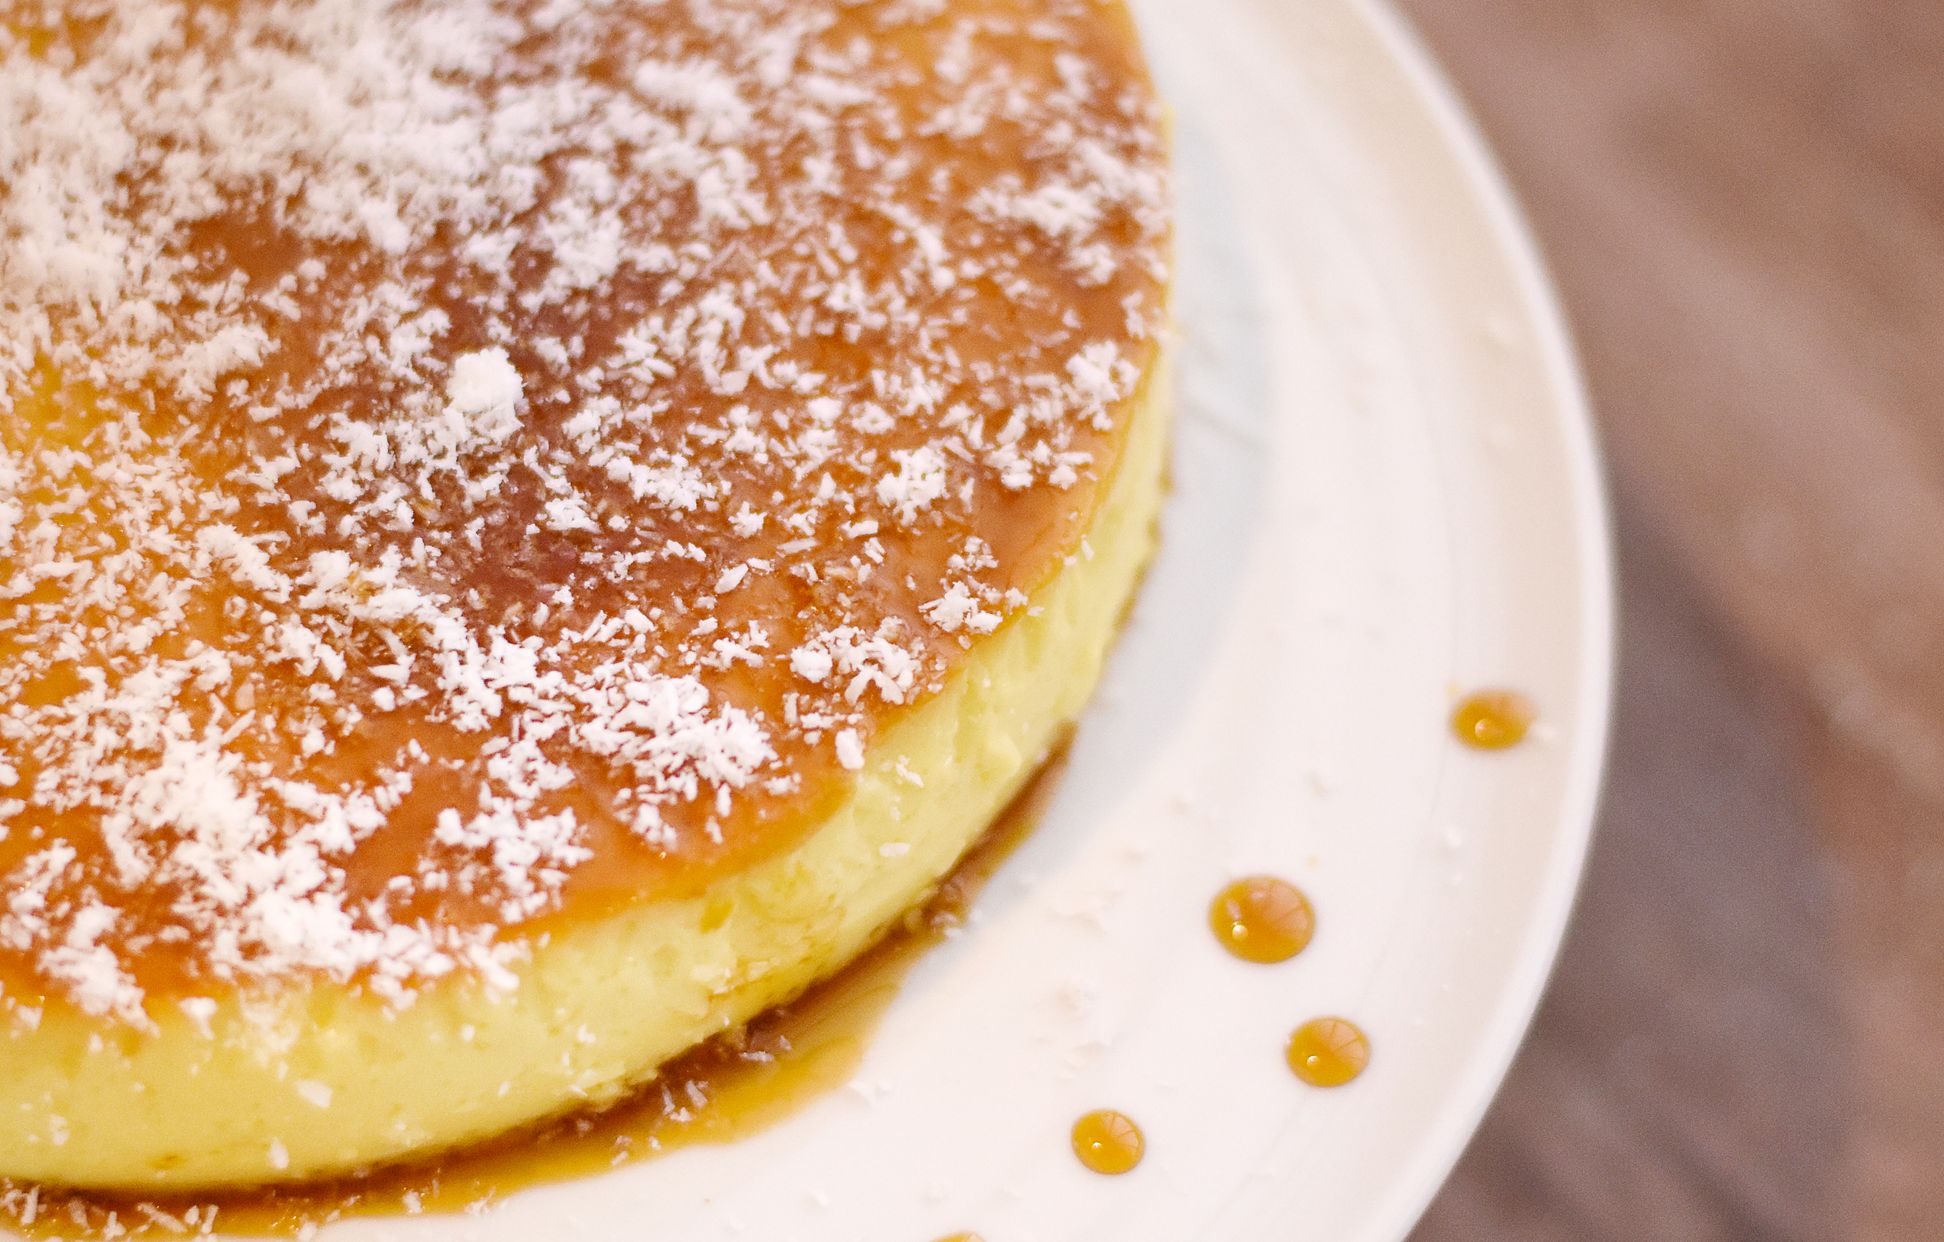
[1328, 1052]
[725, 1090]
[1262, 919]
[1108, 1142]
[1493, 719]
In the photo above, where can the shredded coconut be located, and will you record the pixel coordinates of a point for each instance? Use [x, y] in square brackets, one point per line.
[421, 438]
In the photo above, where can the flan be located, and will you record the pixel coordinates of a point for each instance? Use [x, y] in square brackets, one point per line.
[530, 532]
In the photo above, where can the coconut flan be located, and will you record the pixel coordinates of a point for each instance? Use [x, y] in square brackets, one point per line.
[529, 532]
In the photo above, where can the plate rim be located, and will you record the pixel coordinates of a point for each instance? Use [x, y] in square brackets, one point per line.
[1557, 354]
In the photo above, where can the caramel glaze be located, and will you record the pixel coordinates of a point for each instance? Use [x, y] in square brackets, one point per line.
[502, 573]
[721, 1092]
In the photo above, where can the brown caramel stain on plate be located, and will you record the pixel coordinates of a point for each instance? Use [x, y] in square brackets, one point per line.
[1328, 1052]
[1493, 719]
[723, 1091]
[1262, 919]
[1108, 1142]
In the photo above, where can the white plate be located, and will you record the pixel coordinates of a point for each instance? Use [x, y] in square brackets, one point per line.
[1386, 491]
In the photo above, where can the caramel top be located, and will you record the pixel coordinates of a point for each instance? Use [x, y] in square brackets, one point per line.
[470, 461]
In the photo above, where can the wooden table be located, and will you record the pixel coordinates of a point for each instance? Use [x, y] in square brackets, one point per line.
[1743, 202]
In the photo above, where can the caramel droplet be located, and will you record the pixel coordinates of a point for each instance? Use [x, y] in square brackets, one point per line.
[1108, 1142]
[1262, 919]
[1328, 1052]
[963, 1237]
[1493, 719]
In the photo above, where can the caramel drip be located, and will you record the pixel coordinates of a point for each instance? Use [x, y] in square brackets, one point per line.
[1328, 1052]
[1262, 919]
[1108, 1142]
[1493, 719]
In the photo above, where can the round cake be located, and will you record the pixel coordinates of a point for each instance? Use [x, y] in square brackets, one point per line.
[530, 532]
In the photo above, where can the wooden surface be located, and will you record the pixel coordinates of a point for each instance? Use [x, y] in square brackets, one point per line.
[1743, 202]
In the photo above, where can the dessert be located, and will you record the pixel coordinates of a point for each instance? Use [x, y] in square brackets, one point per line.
[529, 532]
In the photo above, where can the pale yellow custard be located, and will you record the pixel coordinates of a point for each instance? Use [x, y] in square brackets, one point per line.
[531, 533]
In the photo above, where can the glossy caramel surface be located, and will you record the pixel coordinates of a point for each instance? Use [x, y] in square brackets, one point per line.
[523, 482]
